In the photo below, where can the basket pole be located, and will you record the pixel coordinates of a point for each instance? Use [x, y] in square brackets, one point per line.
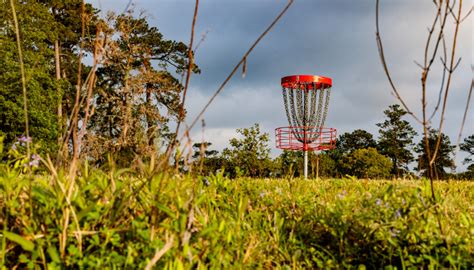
[305, 164]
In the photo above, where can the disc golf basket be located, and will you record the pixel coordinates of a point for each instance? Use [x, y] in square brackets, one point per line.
[306, 100]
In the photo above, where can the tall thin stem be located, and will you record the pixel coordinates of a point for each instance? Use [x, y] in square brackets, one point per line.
[188, 77]
[23, 80]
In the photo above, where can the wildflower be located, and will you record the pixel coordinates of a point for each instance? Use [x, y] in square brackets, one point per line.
[24, 139]
[421, 199]
[206, 182]
[14, 146]
[398, 214]
[378, 202]
[394, 232]
[262, 194]
[342, 195]
[34, 162]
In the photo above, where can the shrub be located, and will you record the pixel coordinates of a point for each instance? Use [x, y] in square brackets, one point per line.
[367, 163]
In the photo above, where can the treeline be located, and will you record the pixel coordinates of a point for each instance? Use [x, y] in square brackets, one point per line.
[102, 89]
[96, 88]
[357, 154]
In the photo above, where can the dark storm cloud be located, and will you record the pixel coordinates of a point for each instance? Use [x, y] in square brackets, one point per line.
[334, 38]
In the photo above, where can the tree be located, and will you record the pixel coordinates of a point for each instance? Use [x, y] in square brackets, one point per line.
[367, 163]
[468, 147]
[396, 139]
[251, 154]
[206, 161]
[36, 30]
[136, 95]
[200, 150]
[358, 139]
[327, 165]
[443, 159]
[50, 33]
[290, 163]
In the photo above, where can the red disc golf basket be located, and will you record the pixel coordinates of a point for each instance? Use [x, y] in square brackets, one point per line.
[306, 100]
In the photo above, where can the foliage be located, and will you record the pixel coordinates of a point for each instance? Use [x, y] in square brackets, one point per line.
[290, 164]
[443, 158]
[129, 98]
[36, 30]
[367, 163]
[396, 139]
[358, 139]
[249, 155]
[207, 162]
[122, 221]
[327, 165]
[468, 146]
[136, 94]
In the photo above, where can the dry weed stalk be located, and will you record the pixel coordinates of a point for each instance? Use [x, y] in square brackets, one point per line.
[242, 61]
[445, 10]
[23, 78]
[435, 40]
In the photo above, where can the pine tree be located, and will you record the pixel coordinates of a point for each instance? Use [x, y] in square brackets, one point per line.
[396, 139]
[358, 139]
[443, 158]
[468, 147]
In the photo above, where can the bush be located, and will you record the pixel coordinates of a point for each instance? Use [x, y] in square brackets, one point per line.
[367, 163]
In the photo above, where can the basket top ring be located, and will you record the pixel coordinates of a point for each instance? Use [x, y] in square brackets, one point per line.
[293, 81]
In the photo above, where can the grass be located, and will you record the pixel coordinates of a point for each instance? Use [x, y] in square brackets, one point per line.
[116, 220]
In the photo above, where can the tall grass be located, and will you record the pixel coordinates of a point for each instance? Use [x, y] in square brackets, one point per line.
[173, 222]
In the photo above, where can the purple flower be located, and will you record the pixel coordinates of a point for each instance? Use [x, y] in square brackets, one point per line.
[34, 162]
[14, 146]
[262, 194]
[24, 139]
[206, 182]
[398, 214]
[421, 199]
[378, 202]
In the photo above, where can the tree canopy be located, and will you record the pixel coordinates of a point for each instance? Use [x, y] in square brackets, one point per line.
[468, 146]
[367, 163]
[120, 104]
[250, 153]
[443, 159]
[396, 139]
[357, 139]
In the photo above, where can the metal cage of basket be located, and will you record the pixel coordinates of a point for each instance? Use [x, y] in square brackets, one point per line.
[306, 101]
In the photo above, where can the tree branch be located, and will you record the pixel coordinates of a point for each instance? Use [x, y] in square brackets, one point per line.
[385, 67]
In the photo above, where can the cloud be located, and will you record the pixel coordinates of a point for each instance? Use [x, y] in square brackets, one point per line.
[334, 38]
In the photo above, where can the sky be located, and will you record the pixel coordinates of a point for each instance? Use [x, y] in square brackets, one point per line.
[332, 38]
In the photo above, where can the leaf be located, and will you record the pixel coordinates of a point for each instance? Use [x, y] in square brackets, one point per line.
[85, 211]
[24, 243]
[53, 253]
[165, 209]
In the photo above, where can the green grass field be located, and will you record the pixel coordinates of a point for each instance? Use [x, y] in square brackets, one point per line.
[111, 220]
